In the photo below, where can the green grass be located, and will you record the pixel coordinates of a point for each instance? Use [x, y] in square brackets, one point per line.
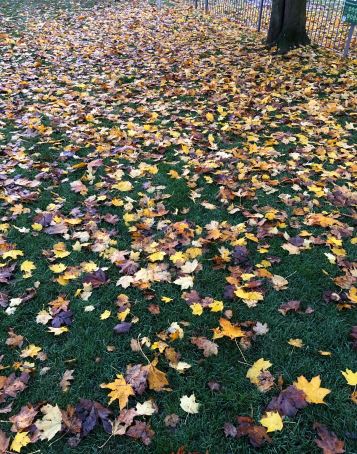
[180, 100]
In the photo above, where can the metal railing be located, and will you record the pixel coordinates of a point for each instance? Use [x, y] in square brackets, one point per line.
[325, 23]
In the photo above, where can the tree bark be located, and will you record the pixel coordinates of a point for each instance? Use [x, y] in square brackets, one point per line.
[287, 28]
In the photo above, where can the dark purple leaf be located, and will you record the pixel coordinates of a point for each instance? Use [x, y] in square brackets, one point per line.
[122, 328]
[97, 278]
[63, 318]
[288, 402]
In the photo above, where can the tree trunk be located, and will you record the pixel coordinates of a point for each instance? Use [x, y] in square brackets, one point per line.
[287, 28]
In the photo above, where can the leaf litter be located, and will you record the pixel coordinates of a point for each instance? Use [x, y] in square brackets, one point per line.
[142, 150]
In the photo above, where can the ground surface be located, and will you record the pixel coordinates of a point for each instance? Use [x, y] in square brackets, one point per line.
[165, 170]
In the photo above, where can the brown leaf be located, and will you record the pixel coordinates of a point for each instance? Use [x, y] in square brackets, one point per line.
[10, 386]
[57, 229]
[230, 430]
[6, 409]
[156, 378]
[14, 340]
[265, 381]
[65, 382]
[23, 419]
[328, 441]
[214, 386]
[137, 377]
[4, 442]
[123, 421]
[289, 306]
[141, 431]
[171, 420]
[69, 418]
[6, 273]
[209, 348]
[154, 309]
[257, 434]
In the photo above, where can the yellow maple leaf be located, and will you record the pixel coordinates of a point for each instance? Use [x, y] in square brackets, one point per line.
[166, 299]
[227, 329]
[58, 331]
[13, 253]
[211, 139]
[21, 439]
[250, 298]
[117, 202]
[272, 421]
[60, 251]
[106, 314]
[216, 306]
[58, 268]
[31, 351]
[123, 314]
[174, 174]
[196, 309]
[120, 390]
[123, 186]
[314, 393]
[36, 227]
[296, 343]
[209, 116]
[257, 368]
[351, 377]
[178, 257]
[156, 256]
[27, 267]
[352, 294]
[88, 267]
[193, 252]
[321, 220]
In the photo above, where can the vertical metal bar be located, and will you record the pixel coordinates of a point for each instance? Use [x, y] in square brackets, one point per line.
[348, 40]
[206, 6]
[196, 4]
[260, 15]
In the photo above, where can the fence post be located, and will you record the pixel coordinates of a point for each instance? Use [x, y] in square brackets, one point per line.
[348, 40]
[261, 6]
[206, 6]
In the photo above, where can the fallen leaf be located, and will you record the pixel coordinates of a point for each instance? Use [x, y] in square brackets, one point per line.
[209, 348]
[120, 391]
[314, 393]
[21, 440]
[351, 377]
[189, 404]
[328, 441]
[296, 343]
[156, 378]
[227, 329]
[147, 408]
[272, 421]
[66, 379]
[51, 423]
[256, 369]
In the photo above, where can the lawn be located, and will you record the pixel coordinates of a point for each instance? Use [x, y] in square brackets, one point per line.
[177, 211]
